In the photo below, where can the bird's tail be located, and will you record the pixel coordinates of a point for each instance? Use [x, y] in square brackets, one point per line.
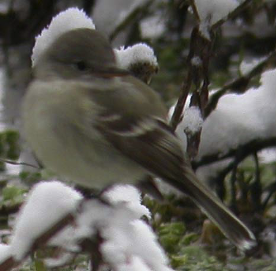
[229, 224]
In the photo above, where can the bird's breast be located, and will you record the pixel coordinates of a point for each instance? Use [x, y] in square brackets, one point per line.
[54, 132]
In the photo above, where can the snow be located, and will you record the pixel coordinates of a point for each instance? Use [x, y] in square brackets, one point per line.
[134, 264]
[241, 118]
[132, 238]
[67, 20]
[5, 252]
[192, 120]
[60, 261]
[214, 10]
[204, 30]
[132, 199]
[128, 242]
[138, 53]
[247, 66]
[46, 204]
[152, 27]
[196, 61]
[267, 155]
[191, 123]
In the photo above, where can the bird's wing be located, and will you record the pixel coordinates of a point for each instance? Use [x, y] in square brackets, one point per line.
[149, 142]
[132, 119]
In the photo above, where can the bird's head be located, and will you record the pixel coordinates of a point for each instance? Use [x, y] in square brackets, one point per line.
[77, 54]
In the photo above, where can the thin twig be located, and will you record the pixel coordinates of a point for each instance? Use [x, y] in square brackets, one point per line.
[232, 14]
[256, 187]
[195, 11]
[271, 190]
[18, 163]
[178, 110]
[233, 179]
[240, 84]
[244, 150]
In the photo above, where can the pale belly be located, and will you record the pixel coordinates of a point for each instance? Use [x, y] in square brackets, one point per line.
[71, 154]
[91, 164]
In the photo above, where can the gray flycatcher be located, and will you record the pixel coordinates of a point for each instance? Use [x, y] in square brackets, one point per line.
[97, 125]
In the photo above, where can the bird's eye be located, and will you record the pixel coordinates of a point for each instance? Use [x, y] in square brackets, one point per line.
[81, 65]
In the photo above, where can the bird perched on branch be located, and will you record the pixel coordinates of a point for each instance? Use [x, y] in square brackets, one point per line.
[96, 125]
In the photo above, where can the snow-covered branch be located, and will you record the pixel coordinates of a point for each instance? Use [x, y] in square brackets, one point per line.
[56, 215]
[240, 84]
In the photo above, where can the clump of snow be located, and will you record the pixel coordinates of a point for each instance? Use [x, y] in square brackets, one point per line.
[67, 20]
[214, 10]
[46, 204]
[5, 252]
[138, 53]
[128, 242]
[136, 240]
[247, 66]
[241, 118]
[196, 61]
[204, 29]
[132, 199]
[267, 155]
[152, 27]
[192, 120]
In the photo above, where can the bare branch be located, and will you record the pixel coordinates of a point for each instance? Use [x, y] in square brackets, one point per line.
[196, 80]
[17, 163]
[242, 151]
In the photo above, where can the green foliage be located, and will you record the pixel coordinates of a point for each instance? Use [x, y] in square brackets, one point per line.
[170, 234]
[195, 258]
[12, 195]
[30, 177]
[9, 145]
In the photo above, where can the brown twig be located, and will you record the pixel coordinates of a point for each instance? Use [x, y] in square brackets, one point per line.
[233, 179]
[256, 187]
[178, 110]
[232, 14]
[195, 11]
[196, 79]
[88, 6]
[186, 85]
[8, 210]
[243, 150]
[17, 163]
[271, 189]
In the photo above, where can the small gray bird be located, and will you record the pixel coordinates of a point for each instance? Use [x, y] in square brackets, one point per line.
[96, 125]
